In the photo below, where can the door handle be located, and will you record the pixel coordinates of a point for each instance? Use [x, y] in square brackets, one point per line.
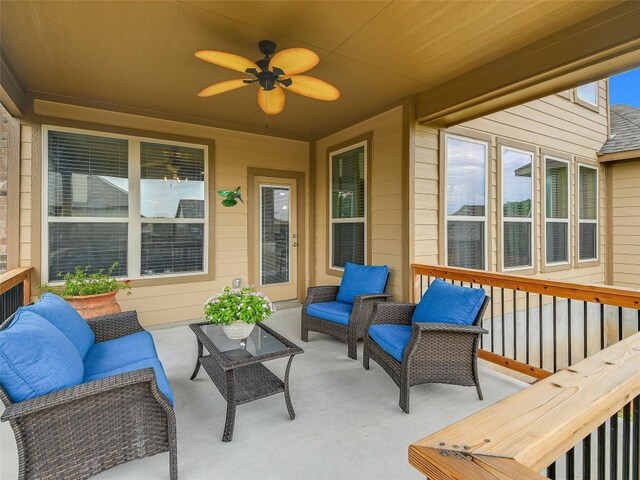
[295, 244]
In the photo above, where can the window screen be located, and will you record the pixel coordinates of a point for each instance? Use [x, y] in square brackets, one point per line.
[556, 191]
[348, 206]
[466, 202]
[588, 212]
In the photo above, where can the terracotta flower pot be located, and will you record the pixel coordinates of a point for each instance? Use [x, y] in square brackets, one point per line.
[89, 306]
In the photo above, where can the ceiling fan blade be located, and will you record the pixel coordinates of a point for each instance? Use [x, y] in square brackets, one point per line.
[227, 60]
[313, 88]
[222, 87]
[271, 101]
[294, 60]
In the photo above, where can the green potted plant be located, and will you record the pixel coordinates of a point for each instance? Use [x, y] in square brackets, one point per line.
[238, 310]
[91, 294]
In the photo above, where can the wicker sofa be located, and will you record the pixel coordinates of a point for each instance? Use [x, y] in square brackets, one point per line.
[435, 341]
[342, 311]
[82, 397]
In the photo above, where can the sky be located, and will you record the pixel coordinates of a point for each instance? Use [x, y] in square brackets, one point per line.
[625, 88]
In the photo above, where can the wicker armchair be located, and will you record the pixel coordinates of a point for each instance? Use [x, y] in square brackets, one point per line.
[435, 352]
[80, 431]
[351, 333]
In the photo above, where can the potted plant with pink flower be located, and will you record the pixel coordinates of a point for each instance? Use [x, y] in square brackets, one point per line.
[238, 310]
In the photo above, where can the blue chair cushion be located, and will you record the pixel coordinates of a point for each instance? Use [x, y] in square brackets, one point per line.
[36, 358]
[119, 352]
[337, 312]
[392, 339]
[361, 280]
[64, 317]
[446, 303]
[161, 377]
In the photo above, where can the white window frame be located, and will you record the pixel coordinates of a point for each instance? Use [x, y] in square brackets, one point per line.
[134, 220]
[517, 219]
[447, 217]
[586, 102]
[567, 221]
[588, 221]
[364, 220]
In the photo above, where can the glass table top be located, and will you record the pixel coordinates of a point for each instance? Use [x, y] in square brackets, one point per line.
[260, 342]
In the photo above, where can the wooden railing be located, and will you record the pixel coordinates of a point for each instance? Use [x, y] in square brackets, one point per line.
[539, 327]
[521, 435]
[15, 290]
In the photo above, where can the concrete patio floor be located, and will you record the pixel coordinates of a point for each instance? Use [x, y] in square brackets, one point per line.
[348, 422]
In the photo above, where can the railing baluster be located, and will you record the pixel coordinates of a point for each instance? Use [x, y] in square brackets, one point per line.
[493, 321]
[620, 326]
[586, 458]
[635, 446]
[570, 459]
[586, 336]
[626, 439]
[602, 332]
[555, 338]
[551, 471]
[602, 429]
[540, 328]
[528, 329]
[503, 335]
[613, 446]
[515, 327]
[569, 332]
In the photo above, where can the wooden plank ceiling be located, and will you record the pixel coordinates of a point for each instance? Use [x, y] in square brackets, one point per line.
[139, 55]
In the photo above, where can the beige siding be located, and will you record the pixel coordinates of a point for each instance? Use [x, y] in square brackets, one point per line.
[26, 150]
[386, 196]
[234, 153]
[625, 224]
[555, 123]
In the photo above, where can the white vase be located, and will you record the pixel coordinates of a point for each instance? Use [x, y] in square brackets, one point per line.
[238, 330]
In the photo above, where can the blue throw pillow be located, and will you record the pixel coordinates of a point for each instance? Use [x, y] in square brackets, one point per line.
[36, 358]
[446, 303]
[64, 317]
[361, 280]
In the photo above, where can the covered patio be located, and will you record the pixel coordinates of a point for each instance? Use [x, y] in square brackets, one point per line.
[347, 424]
[122, 77]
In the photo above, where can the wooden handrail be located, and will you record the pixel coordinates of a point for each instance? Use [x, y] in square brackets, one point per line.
[617, 296]
[532, 428]
[13, 277]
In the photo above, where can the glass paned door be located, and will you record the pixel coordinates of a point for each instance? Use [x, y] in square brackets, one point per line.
[275, 227]
[275, 237]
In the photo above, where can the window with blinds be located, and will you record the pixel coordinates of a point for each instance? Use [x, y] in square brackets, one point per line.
[466, 174]
[106, 202]
[587, 213]
[556, 214]
[517, 208]
[348, 205]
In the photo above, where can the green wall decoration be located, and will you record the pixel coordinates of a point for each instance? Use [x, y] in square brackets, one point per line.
[230, 197]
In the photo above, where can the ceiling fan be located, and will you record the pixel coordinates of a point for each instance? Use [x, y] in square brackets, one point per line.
[274, 73]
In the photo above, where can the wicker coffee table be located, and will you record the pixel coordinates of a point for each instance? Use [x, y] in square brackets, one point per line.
[236, 366]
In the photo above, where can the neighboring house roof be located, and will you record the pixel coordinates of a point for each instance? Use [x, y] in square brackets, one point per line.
[625, 130]
[188, 208]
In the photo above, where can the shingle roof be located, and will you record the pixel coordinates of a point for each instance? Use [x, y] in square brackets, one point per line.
[625, 129]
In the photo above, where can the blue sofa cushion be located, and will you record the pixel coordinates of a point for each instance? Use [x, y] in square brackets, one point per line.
[337, 312]
[446, 303]
[64, 317]
[361, 280]
[392, 339]
[119, 352]
[36, 358]
[161, 377]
